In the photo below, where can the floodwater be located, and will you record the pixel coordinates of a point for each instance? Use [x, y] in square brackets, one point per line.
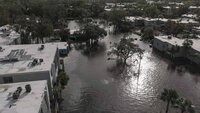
[93, 88]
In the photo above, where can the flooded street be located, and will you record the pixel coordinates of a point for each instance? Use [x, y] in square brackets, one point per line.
[92, 88]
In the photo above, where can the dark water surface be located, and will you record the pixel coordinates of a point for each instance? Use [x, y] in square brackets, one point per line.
[94, 89]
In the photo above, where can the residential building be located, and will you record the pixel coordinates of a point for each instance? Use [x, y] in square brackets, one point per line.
[62, 47]
[20, 63]
[189, 16]
[25, 97]
[173, 47]
[9, 36]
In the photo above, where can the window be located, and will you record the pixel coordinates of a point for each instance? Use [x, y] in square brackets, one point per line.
[8, 79]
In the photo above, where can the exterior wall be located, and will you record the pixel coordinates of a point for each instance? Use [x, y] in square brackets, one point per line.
[194, 56]
[159, 45]
[139, 23]
[169, 49]
[166, 48]
[45, 105]
[32, 76]
[55, 66]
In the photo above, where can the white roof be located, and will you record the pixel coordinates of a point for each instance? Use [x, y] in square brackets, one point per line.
[181, 20]
[166, 7]
[176, 3]
[59, 45]
[27, 102]
[108, 9]
[194, 7]
[29, 52]
[197, 28]
[111, 4]
[190, 15]
[7, 39]
[73, 30]
[179, 42]
[187, 21]
[133, 18]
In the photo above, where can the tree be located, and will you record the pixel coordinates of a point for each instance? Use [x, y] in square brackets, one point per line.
[151, 11]
[96, 9]
[184, 105]
[187, 43]
[148, 34]
[169, 96]
[174, 28]
[63, 79]
[92, 33]
[124, 50]
[25, 37]
[42, 30]
[117, 17]
[64, 34]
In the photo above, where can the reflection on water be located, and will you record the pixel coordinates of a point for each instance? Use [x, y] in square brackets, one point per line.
[93, 89]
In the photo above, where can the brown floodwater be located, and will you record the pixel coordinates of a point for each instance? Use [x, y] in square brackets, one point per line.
[94, 88]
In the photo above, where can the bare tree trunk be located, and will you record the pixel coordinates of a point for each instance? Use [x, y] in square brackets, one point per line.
[167, 107]
[124, 62]
[139, 67]
[37, 40]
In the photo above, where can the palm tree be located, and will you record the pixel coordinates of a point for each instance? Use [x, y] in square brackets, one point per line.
[169, 96]
[184, 105]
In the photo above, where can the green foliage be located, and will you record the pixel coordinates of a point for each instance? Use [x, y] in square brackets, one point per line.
[91, 33]
[187, 43]
[96, 9]
[125, 49]
[43, 29]
[53, 10]
[63, 79]
[116, 17]
[151, 11]
[148, 34]
[169, 96]
[57, 92]
[64, 34]
[173, 28]
[184, 105]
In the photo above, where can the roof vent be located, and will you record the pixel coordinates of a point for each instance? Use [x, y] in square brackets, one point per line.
[41, 60]
[41, 47]
[1, 48]
[28, 88]
[16, 94]
[35, 62]
[169, 37]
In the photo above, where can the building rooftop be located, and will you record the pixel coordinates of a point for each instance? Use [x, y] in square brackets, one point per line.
[176, 3]
[27, 102]
[179, 42]
[190, 15]
[8, 35]
[59, 45]
[26, 58]
[133, 18]
[187, 21]
[194, 7]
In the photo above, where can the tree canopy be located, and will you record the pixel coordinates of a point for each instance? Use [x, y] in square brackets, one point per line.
[187, 43]
[125, 49]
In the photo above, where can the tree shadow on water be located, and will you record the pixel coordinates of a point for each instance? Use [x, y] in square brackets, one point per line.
[92, 50]
[118, 71]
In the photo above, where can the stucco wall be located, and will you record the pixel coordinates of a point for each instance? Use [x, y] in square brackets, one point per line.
[32, 76]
